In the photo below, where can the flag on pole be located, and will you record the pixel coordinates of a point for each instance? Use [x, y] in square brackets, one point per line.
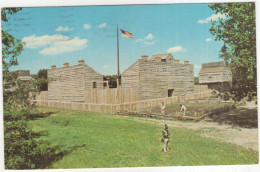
[126, 34]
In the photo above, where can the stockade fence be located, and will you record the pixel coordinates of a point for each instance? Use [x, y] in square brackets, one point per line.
[112, 96]
[113, 108]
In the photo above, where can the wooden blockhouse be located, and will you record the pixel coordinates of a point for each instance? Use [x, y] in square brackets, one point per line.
[69, 83]
[215, 72]
[23, 75]
[158, 77]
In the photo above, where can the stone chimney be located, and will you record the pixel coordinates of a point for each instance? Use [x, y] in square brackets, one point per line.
[66, 64]
[53, 67]
[186, 62]
[144, 57]
[176, 61]
[81, 62]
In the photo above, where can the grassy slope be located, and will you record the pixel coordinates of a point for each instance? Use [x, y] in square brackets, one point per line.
[96, 140]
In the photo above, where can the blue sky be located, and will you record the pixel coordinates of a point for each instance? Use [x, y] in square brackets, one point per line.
[55, 35]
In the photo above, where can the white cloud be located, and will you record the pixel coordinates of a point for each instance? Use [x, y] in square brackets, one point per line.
[102, 25]
[106, 66]
[55, 44]
[147, 40]
[36, 42]
[208, 39]
[213, 17]
[70, 45]
[87, 26]
[149, 37]
[60, 28]
[176, 49]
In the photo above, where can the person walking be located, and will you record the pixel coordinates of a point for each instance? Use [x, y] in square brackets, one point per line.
[163, 108]
[183, 108]
[166, 138]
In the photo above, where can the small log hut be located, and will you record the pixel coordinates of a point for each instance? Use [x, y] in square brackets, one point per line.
[215, 73]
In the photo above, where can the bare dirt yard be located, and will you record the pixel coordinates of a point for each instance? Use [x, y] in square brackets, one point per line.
[239, 126]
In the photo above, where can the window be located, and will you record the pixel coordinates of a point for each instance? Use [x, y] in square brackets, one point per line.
[163, 60]
[94, 84]
[104, 85]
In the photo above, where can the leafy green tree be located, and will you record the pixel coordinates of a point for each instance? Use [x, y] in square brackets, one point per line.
[238, 33]
[21, 150]
[42, 80]
[11, 47]
[112, 80]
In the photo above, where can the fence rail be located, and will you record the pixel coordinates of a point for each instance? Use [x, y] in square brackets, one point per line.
[131, 106]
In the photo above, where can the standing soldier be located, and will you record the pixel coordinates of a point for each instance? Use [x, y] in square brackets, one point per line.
[163, 108]
[183, 108]
[166, 138]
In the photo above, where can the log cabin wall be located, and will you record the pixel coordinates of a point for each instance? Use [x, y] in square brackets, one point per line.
[131, 77]
[215, 72]
[69, 83]
[156, 79]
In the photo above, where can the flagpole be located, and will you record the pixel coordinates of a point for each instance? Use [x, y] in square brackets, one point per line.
[118, 71]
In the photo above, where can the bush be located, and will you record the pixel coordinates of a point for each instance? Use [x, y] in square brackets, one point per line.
[21, 149]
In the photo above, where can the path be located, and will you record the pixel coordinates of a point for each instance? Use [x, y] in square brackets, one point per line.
[247, 138]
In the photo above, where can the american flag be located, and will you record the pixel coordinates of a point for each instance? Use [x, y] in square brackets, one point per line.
[126, 34]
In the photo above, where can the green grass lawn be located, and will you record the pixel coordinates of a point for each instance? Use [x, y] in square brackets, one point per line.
[90, 140]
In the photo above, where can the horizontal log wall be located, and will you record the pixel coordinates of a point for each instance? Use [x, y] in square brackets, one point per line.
[113, 108]
[155, 78]
[200, 88]
[130, 77]
[70, 83]
[112, 95]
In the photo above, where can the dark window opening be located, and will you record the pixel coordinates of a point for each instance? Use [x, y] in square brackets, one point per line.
[94, 84]
[163, 60]
[105, 85]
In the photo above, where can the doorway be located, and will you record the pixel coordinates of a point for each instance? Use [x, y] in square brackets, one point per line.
[170, 92]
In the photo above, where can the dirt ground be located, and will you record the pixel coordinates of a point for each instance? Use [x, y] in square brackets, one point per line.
[243, 136]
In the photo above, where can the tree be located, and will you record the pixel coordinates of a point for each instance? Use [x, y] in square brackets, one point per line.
[112, 80]
[238, 33]
[42, 80]
[11, 47]
[21, 150]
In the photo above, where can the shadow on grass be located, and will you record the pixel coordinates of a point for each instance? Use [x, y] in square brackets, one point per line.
[241, 117]
[35, 116]
[53, 155]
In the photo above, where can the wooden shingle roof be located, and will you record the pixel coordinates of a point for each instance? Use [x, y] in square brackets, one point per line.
[212, 70]
[213, 67]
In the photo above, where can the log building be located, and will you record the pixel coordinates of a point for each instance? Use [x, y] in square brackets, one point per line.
[158, 77]
[69, 83]
[23, 75]
[215, 73]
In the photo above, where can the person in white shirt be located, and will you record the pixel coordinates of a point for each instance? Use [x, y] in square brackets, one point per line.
[183, 108]
[163, 108]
